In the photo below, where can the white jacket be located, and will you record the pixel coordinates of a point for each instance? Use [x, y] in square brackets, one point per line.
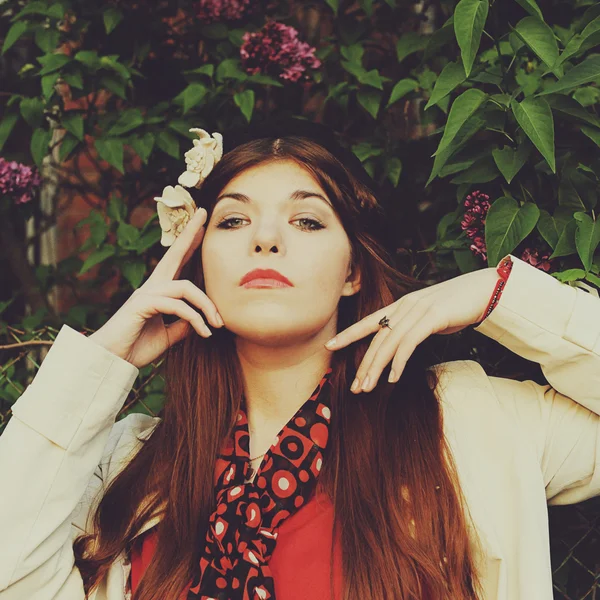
[518, 446]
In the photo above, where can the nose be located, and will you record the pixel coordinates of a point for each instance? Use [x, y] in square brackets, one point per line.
[267, 236]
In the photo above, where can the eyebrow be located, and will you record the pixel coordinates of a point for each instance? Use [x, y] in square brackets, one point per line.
[294, 197]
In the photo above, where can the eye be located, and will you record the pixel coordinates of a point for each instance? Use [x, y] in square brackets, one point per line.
[314, 225]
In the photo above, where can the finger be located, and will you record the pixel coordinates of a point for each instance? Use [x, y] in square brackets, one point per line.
[184, 288]
[398, 347]
[178, 330]
[360, 329]
[401, 322]
[151, 305]
[182, 248]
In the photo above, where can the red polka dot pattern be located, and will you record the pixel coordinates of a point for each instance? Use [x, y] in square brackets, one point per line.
[242, 530]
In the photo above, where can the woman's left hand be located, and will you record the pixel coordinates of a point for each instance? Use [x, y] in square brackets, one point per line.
[443, 308]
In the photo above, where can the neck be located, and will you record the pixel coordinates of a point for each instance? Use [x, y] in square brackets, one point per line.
[277, 382]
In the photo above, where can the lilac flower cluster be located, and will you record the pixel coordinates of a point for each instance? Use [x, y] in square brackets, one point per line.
[209, 11]
[276, 50]
[537, 258]
[18, 181]
[477, 204]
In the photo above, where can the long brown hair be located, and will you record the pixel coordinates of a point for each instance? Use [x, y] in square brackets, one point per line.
[388, 470]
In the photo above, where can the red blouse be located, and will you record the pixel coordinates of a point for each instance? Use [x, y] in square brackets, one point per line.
[299, 563]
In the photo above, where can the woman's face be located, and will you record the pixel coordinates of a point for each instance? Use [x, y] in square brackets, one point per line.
[276, 216]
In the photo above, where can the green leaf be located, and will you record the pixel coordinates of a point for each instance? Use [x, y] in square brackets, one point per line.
[571, 109]
[531, 7]
[370, 101]
[128, 120]
[584, 72]
[13, 34]
[245, 102]
[510, 161]
[452, 75]
[168, 143]
[469, 20]
[566, 242]
[98, 228]
[89, 58]
[576, 190]
[481, 171]
[75, 80]
[148, 239]
[535, 118]
[193, 95]
[48, 82]
[549, 228]
[580, 42]
[334, 5]
[68, 143]
[353, 53]
[203, 70]
[593, 134]
[439, 38]
[134, 270]
[410, 43]
[113, 84]
[143, 146]
[507, 225]
[96, 257]
[116, 209]
[263, 80]
[230, 69]
[403, 87]
[111, 150]
[539, 37]
[587, 238]
[39, 146]
[112, 17]
[127, 235]
[6, 126]
[393, 170]
[569, 275]
[52, 63]
[365, 150]
[47, 39]
[32, 110]
[466, 131]
[73, 122]
[462, 108]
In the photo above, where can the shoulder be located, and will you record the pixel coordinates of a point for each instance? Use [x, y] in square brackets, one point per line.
[457, 374]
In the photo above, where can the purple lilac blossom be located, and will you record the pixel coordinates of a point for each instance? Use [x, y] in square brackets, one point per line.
[209, 11]
[276, 50]
[18, 181]
[477, 204]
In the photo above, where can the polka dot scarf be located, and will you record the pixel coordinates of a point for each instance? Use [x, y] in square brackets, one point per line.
[242, 531]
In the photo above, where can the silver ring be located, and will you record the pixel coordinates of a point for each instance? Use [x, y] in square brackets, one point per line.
[385, 322]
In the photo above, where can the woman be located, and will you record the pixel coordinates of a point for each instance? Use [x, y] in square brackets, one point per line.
[266, 477]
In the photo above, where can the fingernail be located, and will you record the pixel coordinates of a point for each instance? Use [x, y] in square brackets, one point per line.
[354, 385]
[220, 320]
[392, 376]
[366, 382]
[331, 343]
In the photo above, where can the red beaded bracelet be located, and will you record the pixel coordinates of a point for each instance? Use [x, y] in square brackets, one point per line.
[504, 267]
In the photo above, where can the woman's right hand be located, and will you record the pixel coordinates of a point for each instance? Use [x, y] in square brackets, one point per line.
[136, 332]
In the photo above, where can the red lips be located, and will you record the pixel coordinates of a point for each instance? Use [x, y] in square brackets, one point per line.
[264, 274]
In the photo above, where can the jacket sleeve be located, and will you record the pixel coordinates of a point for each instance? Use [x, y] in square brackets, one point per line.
[50, 456]
[557, 326]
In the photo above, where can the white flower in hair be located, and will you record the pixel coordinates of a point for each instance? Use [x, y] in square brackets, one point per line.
[175, 208]
[201, 159]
